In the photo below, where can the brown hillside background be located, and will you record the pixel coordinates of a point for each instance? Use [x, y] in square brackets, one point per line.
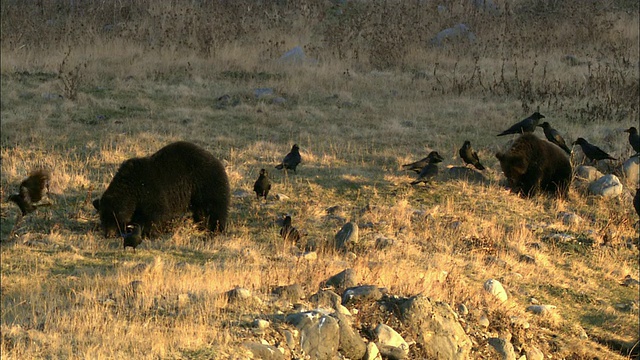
[89, 84]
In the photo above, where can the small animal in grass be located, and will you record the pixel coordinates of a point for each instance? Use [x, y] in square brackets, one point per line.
[288, 232]
[427, 174]
[634, 139]
[470, 156]
[554, 136]
[527, 125]
[133, 237]
[262, 185]
[417, 166]
[291, 160]
[593, 152]
[636, 201]
[31, 191]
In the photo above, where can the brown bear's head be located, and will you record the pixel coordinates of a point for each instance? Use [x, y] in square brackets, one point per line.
[513, 167]
[114, 215]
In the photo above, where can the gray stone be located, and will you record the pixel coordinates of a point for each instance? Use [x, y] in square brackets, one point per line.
[292, 293]
[262, 351]
[372, 352]
[533, 353]
[587, 173]
[347, 236]
[457, 34]
[361, 293]
[325, 298]
[462, 309]
[390, 343]
[465, 173]
[631, 171]
[607, 186]
[503, 347]
[540, 309]
[570, 218]
[295, 56]
[436, 327]
[494, 287]
[484, 321]
[527, 259]
[351, 344]
[342, 280]
[319, 334]
[262, 92]
[238, 294]
[260, 324]
[384, 242]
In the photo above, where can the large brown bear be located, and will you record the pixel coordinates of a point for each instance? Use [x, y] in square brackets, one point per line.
[532, 165]
[150, 191]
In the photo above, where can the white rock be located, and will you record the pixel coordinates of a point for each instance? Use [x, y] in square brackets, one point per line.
[389, 338]
[495, 288]
[540, 309]
[587, 173]
[607, 186]
[631, 170]
[372, 352]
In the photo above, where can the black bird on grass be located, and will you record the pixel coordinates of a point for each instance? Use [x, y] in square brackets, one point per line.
[291, 160]
[470, 156]
[634, 138]
[262, 185]
[417, 166]
[426, 174]
[288, 232]
[133, 237]
[554, 136]
[636, 201]
[527, 125]
[31, 191]
[593, 152]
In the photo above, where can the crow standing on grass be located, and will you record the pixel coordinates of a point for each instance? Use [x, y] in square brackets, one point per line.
[291, 160]
[554, 136]
[634, 139]
[133, 237]
[470, 156]
[417, 166]
[31, 191]
[527, 125]
[593, 152]
[288, 232]
[262, 185]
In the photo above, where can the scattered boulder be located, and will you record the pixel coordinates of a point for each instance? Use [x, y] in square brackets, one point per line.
[384, 242]
[466, 174]
[340, 281]
[495, 288]
[459, 33]
[295, 56]
[265, 352]
[259, 93]
[390, 343]
[533, 353]
[372, 352]
[569, 218]
[503, 347]
[319, 334]
[361, 293]
[436, 327]
[292, 293]
[540, 309]
[606, 186]
[325, 298]
[631, 171]
[351, 344]
[587, 173]
[347, 236]
[238, 294]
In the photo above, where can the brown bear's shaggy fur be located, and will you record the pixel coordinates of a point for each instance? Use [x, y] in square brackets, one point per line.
[152, 190]
[533, 164]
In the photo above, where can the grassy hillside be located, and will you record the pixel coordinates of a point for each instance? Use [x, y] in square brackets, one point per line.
[87, 85]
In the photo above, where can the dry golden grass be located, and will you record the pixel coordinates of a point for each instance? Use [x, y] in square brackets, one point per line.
[67, 292]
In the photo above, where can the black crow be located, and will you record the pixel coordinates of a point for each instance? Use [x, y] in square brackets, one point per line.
[417, 166]
[634, 138]
[427, 174]
[554, 136]
[470, 156]
[636, 201]
[288, 232]
[527, 125]
[592, 152]
[291, 160]
[262, 185]
[31, 191]
[133, 237]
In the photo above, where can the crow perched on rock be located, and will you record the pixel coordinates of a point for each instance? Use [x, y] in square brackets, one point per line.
[133, 237]
[291, 160]
[417, 166]
[288, 232]
[31, 191]
[593, 152]
[470, 156]
[262, 185]
[527, 125]
[427, 174]
[554, 136]
[634, 138]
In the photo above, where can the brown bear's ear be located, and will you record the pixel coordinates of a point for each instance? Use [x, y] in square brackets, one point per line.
[96, 204]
